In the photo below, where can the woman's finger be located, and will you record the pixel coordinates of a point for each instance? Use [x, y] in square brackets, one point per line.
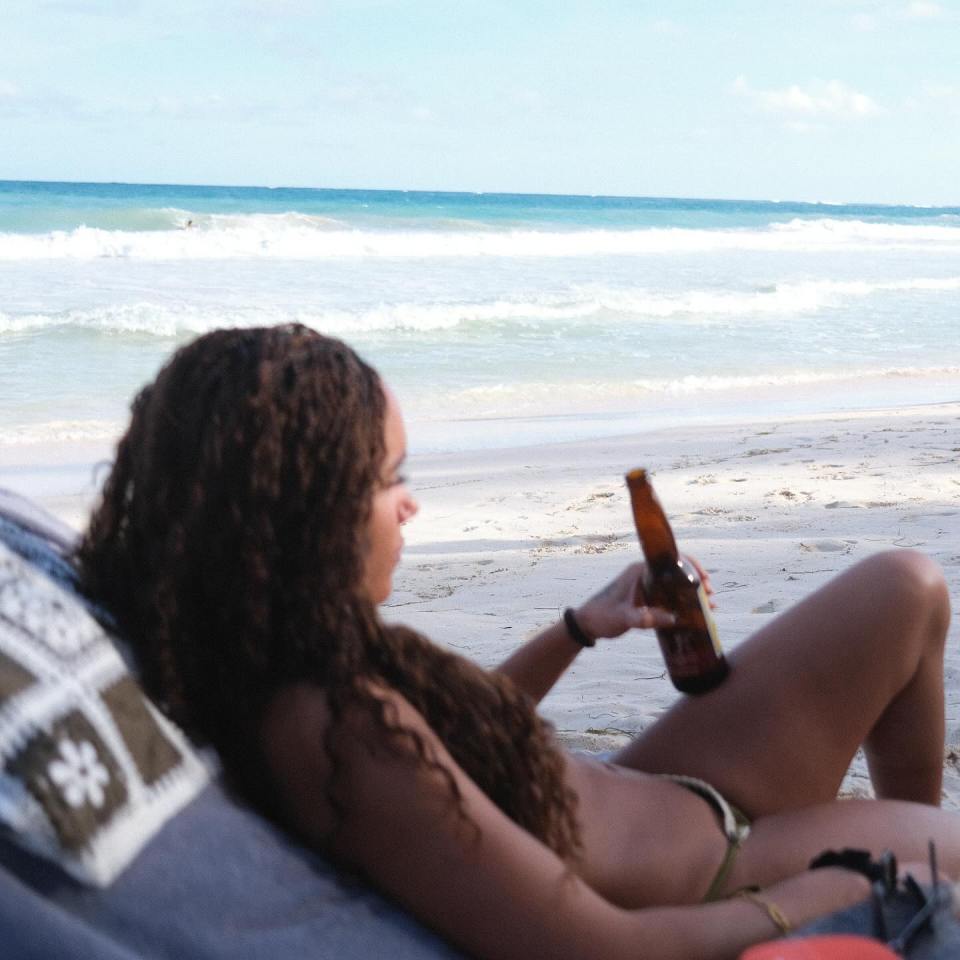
[701, 572]
[649, 618]
[704, 579]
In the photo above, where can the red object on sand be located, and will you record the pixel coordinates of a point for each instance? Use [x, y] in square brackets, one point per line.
[834, 947]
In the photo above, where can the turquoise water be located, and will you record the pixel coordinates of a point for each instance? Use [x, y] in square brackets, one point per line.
[35, 207]
[499, 318]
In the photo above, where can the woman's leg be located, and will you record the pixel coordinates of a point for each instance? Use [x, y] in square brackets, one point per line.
[785, 843]
[860, 661]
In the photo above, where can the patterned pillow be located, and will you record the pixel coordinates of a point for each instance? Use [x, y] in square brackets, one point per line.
[89, 770]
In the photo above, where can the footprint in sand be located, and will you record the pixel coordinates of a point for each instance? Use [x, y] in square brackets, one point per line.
[598, 544]
[788, 494]
[730, 585]
[827, 546]
[764, 451]
[771, 606]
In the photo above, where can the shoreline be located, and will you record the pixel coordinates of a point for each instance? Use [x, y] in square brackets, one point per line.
[508, 537]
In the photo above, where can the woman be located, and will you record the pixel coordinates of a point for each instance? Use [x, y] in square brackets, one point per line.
[249, 529]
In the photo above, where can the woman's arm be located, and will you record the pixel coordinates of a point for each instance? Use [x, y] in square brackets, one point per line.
[541, 661]
[478, 879]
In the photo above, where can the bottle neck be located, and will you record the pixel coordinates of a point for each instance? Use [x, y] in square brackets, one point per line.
[653, 528]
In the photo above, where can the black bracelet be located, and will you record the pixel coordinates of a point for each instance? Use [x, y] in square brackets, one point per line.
[883, 869]
[575, 630]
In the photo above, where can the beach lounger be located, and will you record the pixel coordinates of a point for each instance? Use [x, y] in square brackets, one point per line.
[117, 840]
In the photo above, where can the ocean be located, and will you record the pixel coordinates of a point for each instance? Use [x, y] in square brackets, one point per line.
[499, 319]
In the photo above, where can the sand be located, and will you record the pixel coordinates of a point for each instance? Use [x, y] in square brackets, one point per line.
[505, 539]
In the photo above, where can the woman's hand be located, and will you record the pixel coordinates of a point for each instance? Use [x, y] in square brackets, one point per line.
[621, 605]
[614, 610]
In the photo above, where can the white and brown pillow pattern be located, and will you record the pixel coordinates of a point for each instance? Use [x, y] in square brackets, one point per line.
[89, 769]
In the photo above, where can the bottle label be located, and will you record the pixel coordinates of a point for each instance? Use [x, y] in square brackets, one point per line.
[708, 620]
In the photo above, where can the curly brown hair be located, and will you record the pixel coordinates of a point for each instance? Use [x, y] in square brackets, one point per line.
[229, 545]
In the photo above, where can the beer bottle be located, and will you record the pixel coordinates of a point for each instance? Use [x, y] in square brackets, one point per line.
[690, 649]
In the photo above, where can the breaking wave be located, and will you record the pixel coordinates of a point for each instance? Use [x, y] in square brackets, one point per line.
[295, 236]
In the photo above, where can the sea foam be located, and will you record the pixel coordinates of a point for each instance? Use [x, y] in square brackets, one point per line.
[582, 303]
[504, 307]
[293, 236]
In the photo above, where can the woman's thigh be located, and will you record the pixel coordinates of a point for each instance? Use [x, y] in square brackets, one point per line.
[803, 693]
[785, 843]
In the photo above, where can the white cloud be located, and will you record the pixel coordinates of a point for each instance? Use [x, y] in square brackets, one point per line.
[668, 27]
[830, 100]
[864, 22]
[942, 91]
[944, 98]
[527, 98]
[367, 93]
[173, 106]
[881, 14]
[15, 102]
[422, 113]
[924, 10]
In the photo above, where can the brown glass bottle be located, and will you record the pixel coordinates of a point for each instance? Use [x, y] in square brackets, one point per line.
[690, 649]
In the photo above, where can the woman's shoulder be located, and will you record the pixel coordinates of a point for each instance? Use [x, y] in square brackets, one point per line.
[293, 734]
[299, 716]
[295, 720]
[309, 750]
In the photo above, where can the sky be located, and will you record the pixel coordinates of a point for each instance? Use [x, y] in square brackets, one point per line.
[834, 100]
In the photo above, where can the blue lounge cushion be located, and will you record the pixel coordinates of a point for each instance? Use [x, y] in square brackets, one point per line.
[92, 863]
[218, 881]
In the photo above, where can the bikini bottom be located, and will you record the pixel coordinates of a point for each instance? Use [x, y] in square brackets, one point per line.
[733, 822]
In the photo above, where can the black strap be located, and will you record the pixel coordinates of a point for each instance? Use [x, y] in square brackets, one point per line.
[575, 630]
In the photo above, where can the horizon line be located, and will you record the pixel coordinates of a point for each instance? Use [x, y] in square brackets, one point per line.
[490, 193]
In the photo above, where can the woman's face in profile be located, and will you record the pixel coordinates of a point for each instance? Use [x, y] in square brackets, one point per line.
[392, 507]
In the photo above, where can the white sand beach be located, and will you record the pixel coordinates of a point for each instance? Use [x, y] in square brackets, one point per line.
[506, 538]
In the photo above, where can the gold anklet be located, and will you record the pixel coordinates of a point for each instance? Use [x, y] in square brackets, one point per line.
[776, 915]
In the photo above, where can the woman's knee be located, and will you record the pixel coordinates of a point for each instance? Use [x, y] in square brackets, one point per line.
[912, 585]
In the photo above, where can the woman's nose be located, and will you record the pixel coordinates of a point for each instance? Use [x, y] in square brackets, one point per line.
[409, 508]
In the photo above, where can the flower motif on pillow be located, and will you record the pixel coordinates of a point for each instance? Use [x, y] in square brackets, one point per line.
[73, 776]
[79, 773]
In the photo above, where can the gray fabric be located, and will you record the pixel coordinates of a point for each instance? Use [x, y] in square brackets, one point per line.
[217, 882]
